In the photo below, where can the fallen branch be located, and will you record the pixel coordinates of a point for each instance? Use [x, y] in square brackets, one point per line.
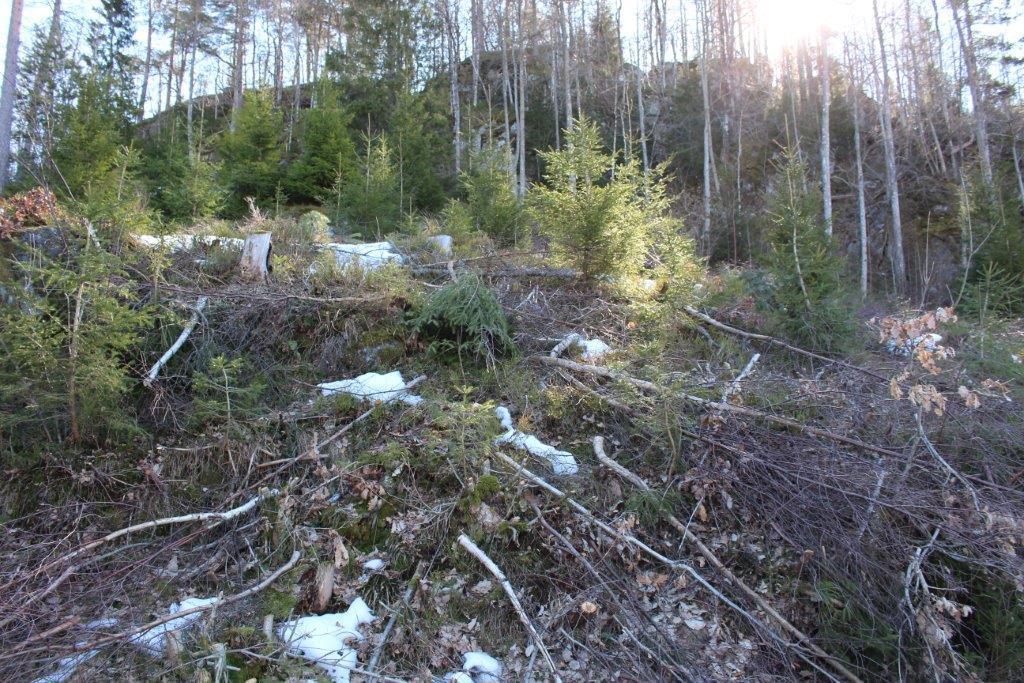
[496, 572]
[211, 518]
[628, 539]
[560, 347]
[677, 669]
[953, 472]
[710, 556]
[185, 332]
[714, 405]
[379, 649]
[733, 387]
[220, 602]
[776, 342]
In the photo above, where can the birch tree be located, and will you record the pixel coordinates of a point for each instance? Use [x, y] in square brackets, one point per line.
[9, 88]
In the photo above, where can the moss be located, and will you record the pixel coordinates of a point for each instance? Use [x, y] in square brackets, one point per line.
[280, 602]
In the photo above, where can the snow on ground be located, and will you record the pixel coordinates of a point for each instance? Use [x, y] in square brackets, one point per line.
[373, 386]
[323, 639]
[594, 349]
[477, 667]
[929, 342]
[367, 256]
[154, 641]
[67, 666]
[373, 565]
[442, 243]
[181, 242]
[561, 462]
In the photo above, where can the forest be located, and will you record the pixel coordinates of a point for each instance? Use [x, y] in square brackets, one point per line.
[512, 340]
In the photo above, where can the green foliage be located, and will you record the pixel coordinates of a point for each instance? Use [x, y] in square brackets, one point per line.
[251, 154]
[597, 212]
[314, 226]
[86, 152]
[991, 231]
[464, 319]
[182, 183]
[415, 132]
[491, 205]
[371, 200]
[860, 637]
[223, 394]
[809, 298]
[64, 343]
[327, 152]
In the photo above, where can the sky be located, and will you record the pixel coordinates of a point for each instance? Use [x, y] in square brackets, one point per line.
[781, 22]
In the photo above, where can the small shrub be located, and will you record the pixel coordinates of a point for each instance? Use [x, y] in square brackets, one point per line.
[465, 319]
[492, 206]
[810, 296]
[223, 395]
[251, 154]
[65, 334]
[598, 212]
[371, 199]
[314, 227]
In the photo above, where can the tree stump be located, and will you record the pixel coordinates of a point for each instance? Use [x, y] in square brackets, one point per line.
[255, 262]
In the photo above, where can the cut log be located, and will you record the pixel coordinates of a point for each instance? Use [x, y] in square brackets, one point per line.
[255, 264]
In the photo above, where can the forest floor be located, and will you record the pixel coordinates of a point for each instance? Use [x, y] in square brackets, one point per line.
[698, 503]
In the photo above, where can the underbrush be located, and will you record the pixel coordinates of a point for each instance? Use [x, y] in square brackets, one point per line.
[872, 502]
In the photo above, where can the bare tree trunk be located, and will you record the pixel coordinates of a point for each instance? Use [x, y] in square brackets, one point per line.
[476, 20]
[862, 219]
[563, 30]
[826, 142]
[9, 88]
[170, 56]
[899, 264]
[1016, 168]
[278, 53]
[450, 18]
[238, 63]
[706, 229]
[642, 116]
[965, 32]
[38, 101]
[189, 116]
[147, 62]
[521, 102]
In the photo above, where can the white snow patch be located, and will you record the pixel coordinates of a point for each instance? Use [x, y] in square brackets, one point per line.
[67, 666]
[477, 667]
[442, 243]
[594, 349]
[180, 242]
[373, 386]
[373, 565]
[323, 639]
[928, 342]
[367, 256]
[154, 641]
[561, 462]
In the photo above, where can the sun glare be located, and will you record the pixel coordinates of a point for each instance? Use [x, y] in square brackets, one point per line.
[786, 23]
